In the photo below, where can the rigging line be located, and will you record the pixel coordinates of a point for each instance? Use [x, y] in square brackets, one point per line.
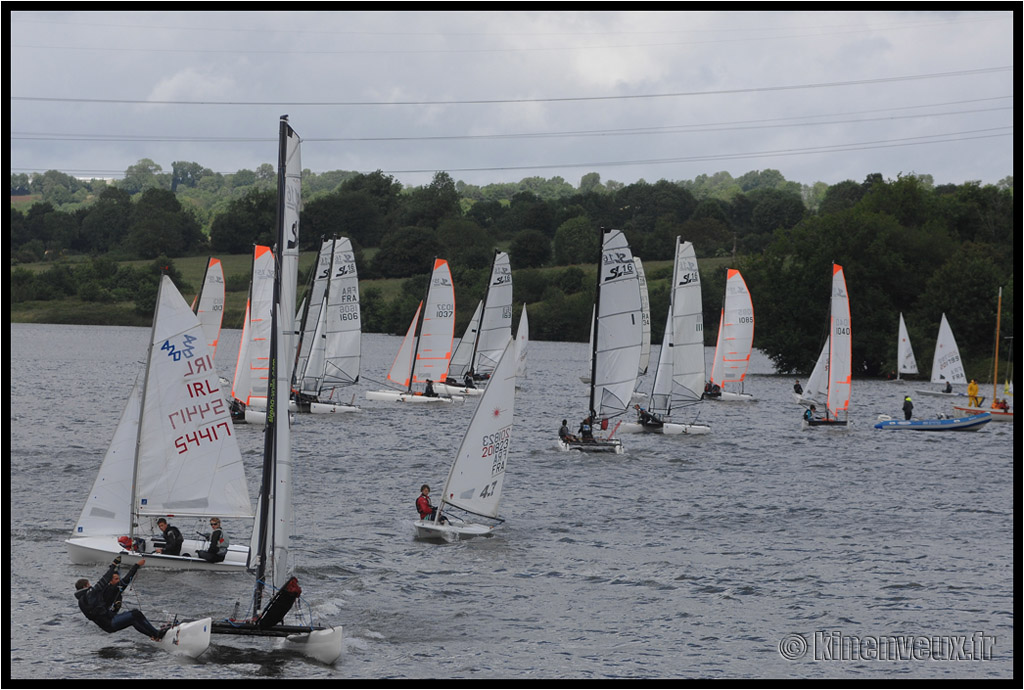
[561, 99]
[669, 129]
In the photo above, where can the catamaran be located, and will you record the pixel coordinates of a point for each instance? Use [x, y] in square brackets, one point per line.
[472, 492]
[427, 346]
[735, 341]
[209, 303]
[838, 355]
[249, 386]
[488, 330]
[616, 343]
[172, 455]
[330, 332]
[679, 378]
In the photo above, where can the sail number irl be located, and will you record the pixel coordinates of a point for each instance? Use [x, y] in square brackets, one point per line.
[495, 446]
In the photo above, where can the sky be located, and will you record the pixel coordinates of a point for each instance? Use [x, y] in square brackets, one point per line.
[494, 97]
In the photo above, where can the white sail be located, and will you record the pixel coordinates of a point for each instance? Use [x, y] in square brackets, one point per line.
[679, 379]
[313, 304]
[108, 510]
[817, 384]
[735, 333]
[251, 370]
[645, 317]
[462, 359]
[496, 319]
[905, 353]
[188, 462]
[437, 331]
[343, 323]
[209, 306]
[289, 207]
[401, 369]
[522, 342]
[475, 480]
[946, 365]
[840, 362]
[617, 328]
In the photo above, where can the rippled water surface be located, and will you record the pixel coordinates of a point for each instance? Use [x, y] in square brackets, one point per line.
[683, 557]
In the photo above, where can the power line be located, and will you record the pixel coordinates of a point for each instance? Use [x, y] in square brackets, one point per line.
[501, 101]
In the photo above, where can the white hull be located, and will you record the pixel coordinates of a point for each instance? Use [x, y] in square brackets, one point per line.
[445, 389]
[428, 529]
[187, 639]
[667, 429]
[997, 414]
[259, 417]
[598, 446]
[939, 394]
[728, 396]
[89, 550]
[418, 398]
[332, 408]
[323, 645]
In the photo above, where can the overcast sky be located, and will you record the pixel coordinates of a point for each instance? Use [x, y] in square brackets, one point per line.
[499, 96]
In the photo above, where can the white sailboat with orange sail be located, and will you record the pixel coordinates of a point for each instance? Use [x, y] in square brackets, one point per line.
[735, 341]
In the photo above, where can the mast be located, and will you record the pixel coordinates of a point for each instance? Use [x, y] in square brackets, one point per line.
[142, 406]
[597, 310]
[995, 362]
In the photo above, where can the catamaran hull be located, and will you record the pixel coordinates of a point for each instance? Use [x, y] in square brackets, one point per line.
[667, 429]
[603, 446]
[324, 645]
[445, 389]
[332, 408]
[827, 423]
[729, 396]
[972, 423]
[996, 414]
[187, 639]
[90, 550]
[429, 530]
[394, 396]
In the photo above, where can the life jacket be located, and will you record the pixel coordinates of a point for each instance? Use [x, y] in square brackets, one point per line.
[423, 507]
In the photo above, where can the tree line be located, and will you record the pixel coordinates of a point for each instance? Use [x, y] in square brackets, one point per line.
[908, 246]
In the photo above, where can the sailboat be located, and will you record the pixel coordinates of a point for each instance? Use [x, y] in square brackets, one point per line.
[476, 478]
[999, 414]
[173, 454]
[839, 370]
[906, 362]
[522, 343]
[209, 303]
[735, 340]
[249, 386]
[329, 335]
[269, 550]
[616, 343]
[645, 318]
[488, 331]
[427, 346]
[679, 378]
[947, 367]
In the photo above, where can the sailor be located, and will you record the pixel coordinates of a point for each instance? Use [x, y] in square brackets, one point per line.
[564, 434]
[219, 543]
[172, 537]
[97, 602]
[948, 388]
[809, 413]
[426, 511]
[908, 407]
[429, 390]
[972, 392]
[586, 429]
[646, 418]
[797, 388]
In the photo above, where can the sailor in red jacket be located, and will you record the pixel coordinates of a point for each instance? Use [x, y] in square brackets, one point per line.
[426, 510]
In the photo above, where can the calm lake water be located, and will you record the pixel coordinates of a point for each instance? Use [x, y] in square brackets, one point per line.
[760, 550]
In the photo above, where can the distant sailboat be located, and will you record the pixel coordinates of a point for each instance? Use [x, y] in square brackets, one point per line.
[840, 356]
[522, 343]
[249, 386]
[904, 352]
[427, 347]
[947, 367]
[209, 303]
[735, 340]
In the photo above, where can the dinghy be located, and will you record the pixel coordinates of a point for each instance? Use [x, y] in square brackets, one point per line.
[680, 374]
[173, 455]
[329, 335]
[427, 346]
[947, 367]
[617, 342]
[839, 344]
[474, 485]
[735, 341]
[970, 423]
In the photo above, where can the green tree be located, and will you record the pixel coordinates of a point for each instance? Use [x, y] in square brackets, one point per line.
[529, 249]
[576, 242]
[246, 221]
